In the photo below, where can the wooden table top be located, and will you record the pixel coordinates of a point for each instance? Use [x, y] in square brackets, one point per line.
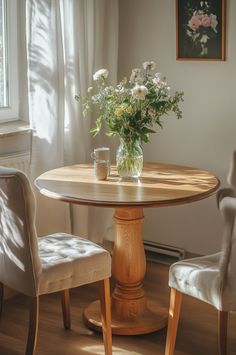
[159, 185]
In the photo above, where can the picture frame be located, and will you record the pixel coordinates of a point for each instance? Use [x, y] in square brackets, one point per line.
[200, 30]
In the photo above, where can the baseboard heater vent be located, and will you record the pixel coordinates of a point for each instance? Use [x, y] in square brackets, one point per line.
[19, 161]
[161, 253]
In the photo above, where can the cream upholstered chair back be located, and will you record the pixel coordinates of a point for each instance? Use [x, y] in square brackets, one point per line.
[231, 178]
[210, 278]
[19, 260]
[57, 262]
[226, 203]
[227, 264]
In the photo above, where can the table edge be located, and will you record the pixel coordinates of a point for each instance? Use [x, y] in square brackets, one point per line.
[144, 204]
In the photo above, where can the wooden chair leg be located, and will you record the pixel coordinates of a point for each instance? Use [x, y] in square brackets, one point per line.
[65, 303]
[222, 332]
[174, 312]
[105, 302]
[1, 298]
[33, 326]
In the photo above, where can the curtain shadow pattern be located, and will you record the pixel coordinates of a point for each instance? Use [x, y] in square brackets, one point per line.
[67, 40]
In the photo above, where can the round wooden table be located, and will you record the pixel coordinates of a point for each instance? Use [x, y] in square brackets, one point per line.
[160, 185]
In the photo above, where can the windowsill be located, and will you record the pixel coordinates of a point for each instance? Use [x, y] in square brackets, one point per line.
[13, 128]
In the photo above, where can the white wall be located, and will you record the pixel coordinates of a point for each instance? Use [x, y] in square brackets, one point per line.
[205, 137]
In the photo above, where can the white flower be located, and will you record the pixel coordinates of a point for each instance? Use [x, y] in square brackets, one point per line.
[156, 81]
[120, 90]
[204, 39]
[139, 92]
[149, 65]
[214, 22]
[189, 33]
[158, 75]
[161, 85]
[96, 98]
[195, 36]
[136, 76]
[100, 74]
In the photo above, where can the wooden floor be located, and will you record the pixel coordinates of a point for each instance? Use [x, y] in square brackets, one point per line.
[197, 330]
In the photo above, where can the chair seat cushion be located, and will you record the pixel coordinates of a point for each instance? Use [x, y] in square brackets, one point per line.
[70, 261]
[198, 277]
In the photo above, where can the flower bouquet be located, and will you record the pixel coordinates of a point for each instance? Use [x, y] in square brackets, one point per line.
[131, 110]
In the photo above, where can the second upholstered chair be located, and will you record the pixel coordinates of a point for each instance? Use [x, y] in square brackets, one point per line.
[36, 266]
[211, 278]
[231, 179]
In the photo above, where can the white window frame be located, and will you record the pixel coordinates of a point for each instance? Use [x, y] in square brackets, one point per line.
[11, 112]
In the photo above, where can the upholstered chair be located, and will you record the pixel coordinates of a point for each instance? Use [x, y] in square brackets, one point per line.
[211, 279]
[231, 179]
[36, 266]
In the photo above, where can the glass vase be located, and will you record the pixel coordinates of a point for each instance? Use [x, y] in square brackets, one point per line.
[129, 160]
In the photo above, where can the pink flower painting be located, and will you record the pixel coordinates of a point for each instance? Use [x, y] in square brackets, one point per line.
[201, 29]
[206, 21]
[195, 22]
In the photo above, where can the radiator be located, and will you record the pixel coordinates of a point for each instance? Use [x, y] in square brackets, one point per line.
[162, 253]
[20, 161]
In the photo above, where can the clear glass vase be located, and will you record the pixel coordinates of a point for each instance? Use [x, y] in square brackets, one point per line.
[129, 160]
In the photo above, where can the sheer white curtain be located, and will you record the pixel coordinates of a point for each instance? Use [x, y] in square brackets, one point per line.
[67, 40]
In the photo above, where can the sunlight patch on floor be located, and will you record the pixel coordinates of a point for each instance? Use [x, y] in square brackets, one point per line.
[99, 350]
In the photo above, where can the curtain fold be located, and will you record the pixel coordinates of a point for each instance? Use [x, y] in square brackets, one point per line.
[67, 40]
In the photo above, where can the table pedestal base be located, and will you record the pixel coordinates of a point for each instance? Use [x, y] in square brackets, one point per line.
[148, 322]
[131, 312]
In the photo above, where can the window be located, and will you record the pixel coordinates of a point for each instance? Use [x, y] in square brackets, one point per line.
[8, 61]
[3, 57]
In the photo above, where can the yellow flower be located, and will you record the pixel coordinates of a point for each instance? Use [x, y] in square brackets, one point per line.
[129, 109]
[119, 111]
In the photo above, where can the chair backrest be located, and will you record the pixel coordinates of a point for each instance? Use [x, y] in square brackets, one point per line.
[19, 260]
[231, 178]
[227, 206]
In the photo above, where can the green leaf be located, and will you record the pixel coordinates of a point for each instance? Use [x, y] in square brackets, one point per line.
[145, 138]
[111, 134]
[94, 131]
[147, 130]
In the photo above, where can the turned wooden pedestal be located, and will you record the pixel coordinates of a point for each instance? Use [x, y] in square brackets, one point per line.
[132, 312]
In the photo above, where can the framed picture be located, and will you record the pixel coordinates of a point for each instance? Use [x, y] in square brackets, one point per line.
[200, 29]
